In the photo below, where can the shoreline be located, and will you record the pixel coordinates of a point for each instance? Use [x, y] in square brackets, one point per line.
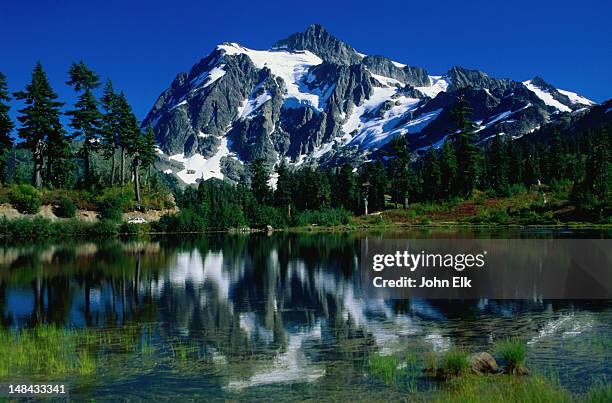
[43, 229]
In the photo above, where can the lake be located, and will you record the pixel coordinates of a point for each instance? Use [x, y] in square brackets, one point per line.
[261, 316]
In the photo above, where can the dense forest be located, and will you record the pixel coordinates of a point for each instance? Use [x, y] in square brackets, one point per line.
[578, 167]
[106, 160]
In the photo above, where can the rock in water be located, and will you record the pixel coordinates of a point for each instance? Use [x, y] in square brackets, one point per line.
[483, 363]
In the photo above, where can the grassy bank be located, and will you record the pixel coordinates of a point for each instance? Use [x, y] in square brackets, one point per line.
[526, 209]
[42, 229]
[420, 377]
[38, 228]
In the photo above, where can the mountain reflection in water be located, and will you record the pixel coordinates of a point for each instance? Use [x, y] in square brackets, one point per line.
[262, 311]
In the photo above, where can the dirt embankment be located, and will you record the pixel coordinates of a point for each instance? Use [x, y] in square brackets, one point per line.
[46, 211]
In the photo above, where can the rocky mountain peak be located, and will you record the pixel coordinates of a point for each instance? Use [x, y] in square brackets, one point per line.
[320, 42]
[540, 83]
[461, 77]
[313, 99]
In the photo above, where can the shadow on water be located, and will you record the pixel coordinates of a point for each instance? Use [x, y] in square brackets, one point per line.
[248, 315]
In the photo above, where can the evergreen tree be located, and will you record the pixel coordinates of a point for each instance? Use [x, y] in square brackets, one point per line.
[497, 166]
[110, 127]
[347, 190]
[432, 175]
[469, 158]
[403, 178]
[595, 191]
[60, 163]
[375, 180]
[6, 127]
[40, 128]
[133, 143]
[600, 168]
[126, 132]
[514, 158]
[448, 168]
[321, 189]
[86, 118]
[259, 180]
[282, 194]
[312, 189]
[557, 158]
[148, 151]
[531, 170]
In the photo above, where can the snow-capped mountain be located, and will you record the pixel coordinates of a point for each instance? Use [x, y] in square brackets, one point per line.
[313, 98]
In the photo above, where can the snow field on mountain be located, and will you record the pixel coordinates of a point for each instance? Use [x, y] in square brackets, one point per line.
[377, 131]
[546, 97]
[207, 78]
[388, 112]
[575, 98]
[250, 105]
[290, 66]
[203, 167]
[438, 84]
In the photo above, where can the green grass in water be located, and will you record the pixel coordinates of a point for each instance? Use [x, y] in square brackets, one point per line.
[395, 370]
[44, 350]
[600, 393]
[501, 389]
[512, 351]
[455, 362]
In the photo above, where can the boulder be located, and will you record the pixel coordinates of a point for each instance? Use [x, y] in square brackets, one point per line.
[483, 363]
[519, 370]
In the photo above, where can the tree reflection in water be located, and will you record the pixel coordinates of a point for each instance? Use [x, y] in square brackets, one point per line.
[248, 310]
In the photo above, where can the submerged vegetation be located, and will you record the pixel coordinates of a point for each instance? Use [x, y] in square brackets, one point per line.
[503, 388]
[45, 351]
[395, 370]
[420, 377]
[109, 315]
[48, 352]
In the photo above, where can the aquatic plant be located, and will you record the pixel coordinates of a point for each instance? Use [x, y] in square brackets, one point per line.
[395, 370]
[455, 362]
[502, 389]
[599, 393]
[512, 351]
[45, 350]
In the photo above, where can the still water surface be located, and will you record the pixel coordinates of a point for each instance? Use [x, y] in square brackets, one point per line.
[258, 316]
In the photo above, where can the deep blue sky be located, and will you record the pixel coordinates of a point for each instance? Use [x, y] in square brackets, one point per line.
[141, 45]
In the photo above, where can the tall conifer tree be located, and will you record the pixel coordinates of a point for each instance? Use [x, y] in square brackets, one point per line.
[86, 117]
[259, 180]
[497, 165]
[148, 152]
[448, 168]
[282, 194]
[125, 132]
[110, 127]
[469, 159]
[40, 128]
[348, 192]
[6, 127]
[403, 179]
[432, 176]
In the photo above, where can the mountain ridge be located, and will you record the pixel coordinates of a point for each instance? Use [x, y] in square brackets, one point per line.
[312, 98]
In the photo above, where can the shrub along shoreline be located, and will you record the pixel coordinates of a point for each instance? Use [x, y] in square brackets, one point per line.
[218, 207]
[41, 228]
